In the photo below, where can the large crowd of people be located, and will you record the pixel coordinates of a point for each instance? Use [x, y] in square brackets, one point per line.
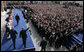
[56, 23]
[58, 19]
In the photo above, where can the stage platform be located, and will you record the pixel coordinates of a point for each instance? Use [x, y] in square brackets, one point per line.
[75, 38]
[79, 37]
[7, 45]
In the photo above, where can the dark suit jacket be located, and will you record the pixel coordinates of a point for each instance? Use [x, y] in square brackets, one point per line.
[7, 19]
[17, 17]
[23, 33]
[13, 33]
[43, 43]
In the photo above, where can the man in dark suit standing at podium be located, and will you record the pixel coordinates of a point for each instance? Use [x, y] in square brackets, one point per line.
[24, 36]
